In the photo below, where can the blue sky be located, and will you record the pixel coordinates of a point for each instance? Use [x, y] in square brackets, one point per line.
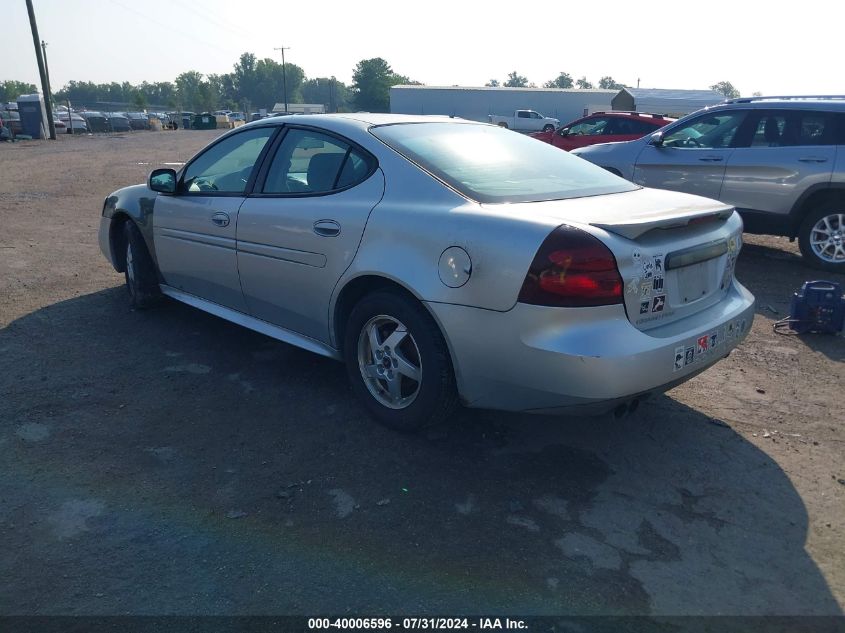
[771, 47]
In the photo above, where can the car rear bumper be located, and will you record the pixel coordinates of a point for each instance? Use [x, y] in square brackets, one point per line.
[582, 360]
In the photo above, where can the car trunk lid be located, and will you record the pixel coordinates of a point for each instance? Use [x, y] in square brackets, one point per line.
[675, 252]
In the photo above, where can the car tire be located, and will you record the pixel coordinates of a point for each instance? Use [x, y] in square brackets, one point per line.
[504, 125]
[548, 128]
[140, 274]
[821, 236]
[404, 377]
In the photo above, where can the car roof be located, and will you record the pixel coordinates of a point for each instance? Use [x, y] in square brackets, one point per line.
[830, 103]
[629, 113]
[363, 119]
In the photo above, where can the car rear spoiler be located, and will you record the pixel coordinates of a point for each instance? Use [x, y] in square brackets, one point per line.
[640, 226]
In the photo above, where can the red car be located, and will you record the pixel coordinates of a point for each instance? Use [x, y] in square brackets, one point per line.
[604, 127]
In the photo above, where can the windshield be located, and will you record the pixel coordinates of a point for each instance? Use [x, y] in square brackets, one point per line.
[490, 164]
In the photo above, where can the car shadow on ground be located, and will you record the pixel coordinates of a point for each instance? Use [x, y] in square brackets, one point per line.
[170, 462]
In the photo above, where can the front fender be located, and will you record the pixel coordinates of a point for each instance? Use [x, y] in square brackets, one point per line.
[135, 203]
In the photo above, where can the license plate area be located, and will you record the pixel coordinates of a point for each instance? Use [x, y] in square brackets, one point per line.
[692, 283]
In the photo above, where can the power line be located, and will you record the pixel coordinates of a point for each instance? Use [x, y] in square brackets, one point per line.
[182, 33]
[198, 11]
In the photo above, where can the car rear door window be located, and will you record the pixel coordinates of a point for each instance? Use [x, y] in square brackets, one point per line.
[769, 131]
[638, 126]
[790, 128]
[309, 162]
[355, 169]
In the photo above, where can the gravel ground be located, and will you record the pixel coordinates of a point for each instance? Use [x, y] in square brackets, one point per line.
[168, 462]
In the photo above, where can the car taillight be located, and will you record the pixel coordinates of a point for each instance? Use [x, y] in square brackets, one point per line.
[572, 269]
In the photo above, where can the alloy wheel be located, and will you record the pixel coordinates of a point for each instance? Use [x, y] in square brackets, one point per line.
[827, 238]
[389, 361]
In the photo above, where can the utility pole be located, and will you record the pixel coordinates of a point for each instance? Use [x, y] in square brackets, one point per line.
[638, 82]
[48, 104]
[42, 70]
[284, 73]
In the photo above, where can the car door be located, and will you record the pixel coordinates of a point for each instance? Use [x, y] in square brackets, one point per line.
[784, 154]
[301, 230]
[522, 121]
[194, 229]
[692, 155]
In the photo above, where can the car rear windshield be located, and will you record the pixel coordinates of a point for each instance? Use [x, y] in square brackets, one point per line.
[490, 164]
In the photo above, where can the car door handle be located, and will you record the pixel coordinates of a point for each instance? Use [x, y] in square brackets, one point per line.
[711, 159]
[812, 159]
[220, 219]
[326, 228]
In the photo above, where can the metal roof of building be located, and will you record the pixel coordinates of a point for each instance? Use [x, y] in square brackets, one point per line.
[688, 95]
[579, 90]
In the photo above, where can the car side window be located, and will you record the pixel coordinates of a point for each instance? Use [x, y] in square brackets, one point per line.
[708, 131]
[641, 127]
[625, 126]
[309, 162]
[769, 131]
[355, 169]
[225, 167]
[523, 114]
[789, 128]
[589, 127]
[809, 129]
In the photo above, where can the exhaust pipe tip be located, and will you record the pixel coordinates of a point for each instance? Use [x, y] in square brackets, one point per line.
[633, 405]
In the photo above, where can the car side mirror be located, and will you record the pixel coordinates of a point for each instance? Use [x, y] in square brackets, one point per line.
[656, 139]
[564, 131]
[162, 180]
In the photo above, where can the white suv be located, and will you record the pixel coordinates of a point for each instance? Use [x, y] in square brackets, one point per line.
[779, 160]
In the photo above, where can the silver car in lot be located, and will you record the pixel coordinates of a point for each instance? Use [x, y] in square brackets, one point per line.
[444, 261]
[779, 160]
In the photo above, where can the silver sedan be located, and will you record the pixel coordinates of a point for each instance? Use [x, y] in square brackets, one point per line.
[444, 261]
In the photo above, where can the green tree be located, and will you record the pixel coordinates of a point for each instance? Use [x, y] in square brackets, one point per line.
[11, 89]
[515, 80]
[139, 100]
[563, 80]
[583, 84]
[261, 81]
[609, 83]
[326, 90]
[371, 82]
[82, 93]
[726, 88]
[188, 89]
[206, 97]
[493, 83]
[223, 88]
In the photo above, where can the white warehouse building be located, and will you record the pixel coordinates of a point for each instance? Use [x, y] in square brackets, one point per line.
[563, 104]
[478, 103]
